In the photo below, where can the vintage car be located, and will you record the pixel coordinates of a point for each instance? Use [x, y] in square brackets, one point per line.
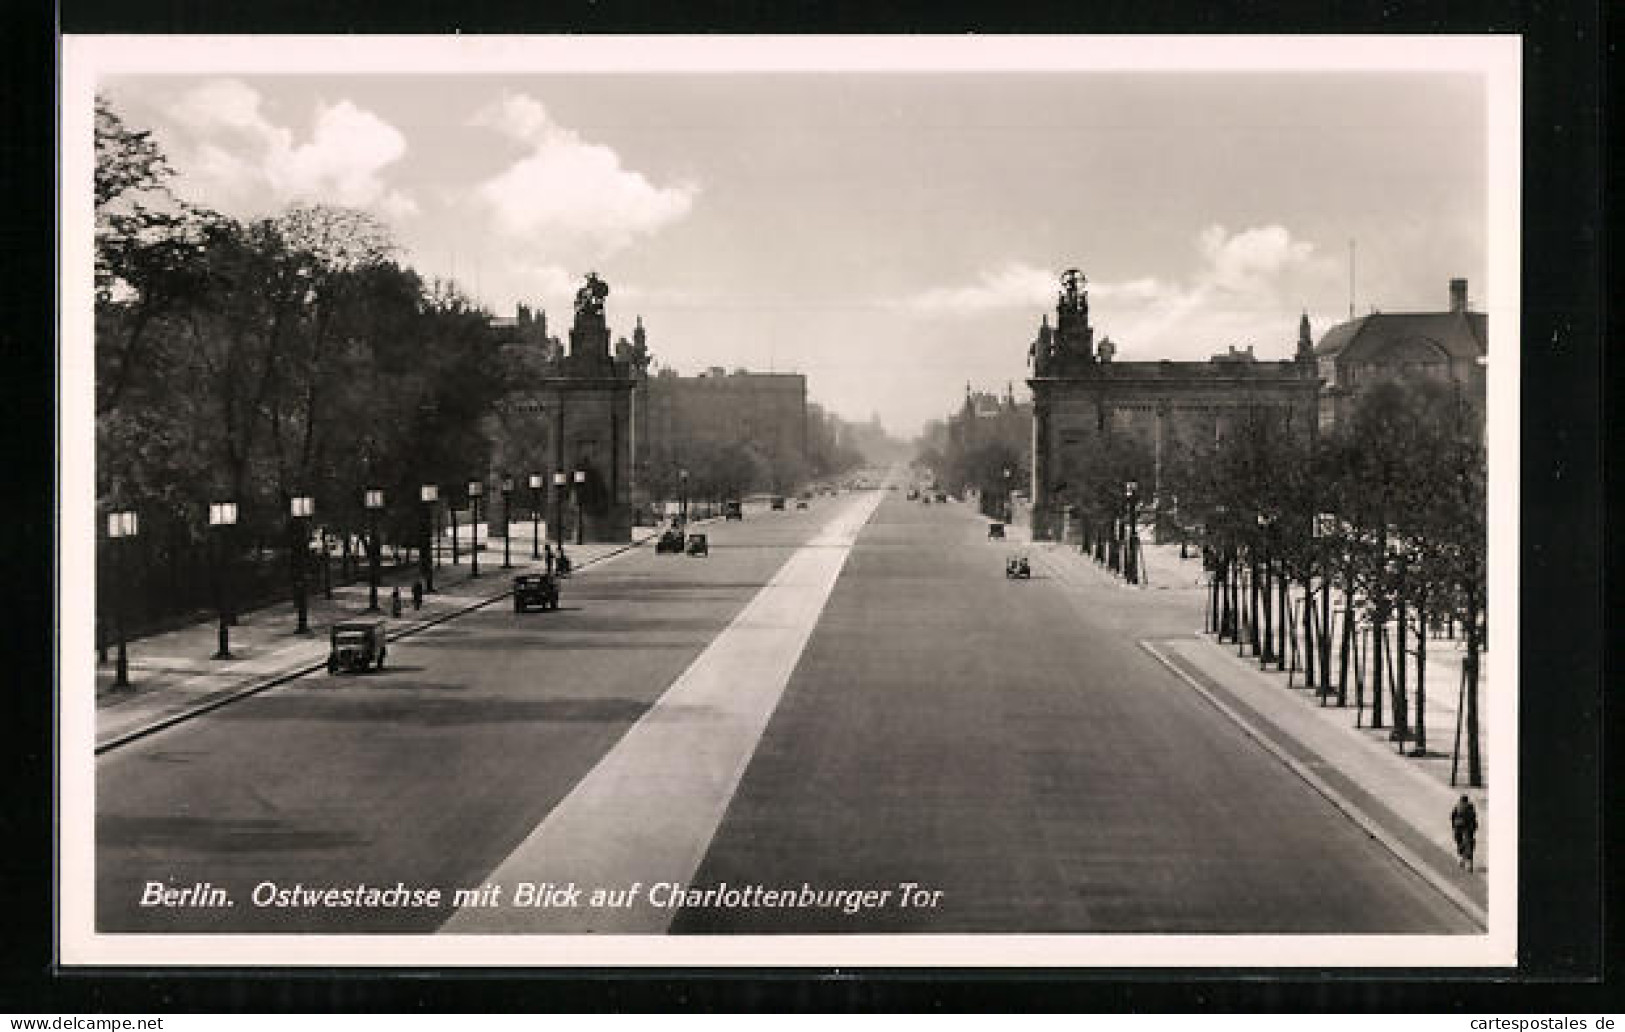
[698, 545]
[801, 503]
[942, 496]
[671, 540]
[777, 503]
[732, 510]
[535, 590]
[995, 531]
[356, 646]
[1017, 568]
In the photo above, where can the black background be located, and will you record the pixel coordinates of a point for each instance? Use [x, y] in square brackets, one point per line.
[1566, 386]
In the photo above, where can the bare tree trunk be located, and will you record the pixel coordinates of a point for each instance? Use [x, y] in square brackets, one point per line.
[1309, 664]
[1421, 680]
[1267, 653]
[1379, 625]
[1252, 604]
[1475, 769]
[1284, 607]
[1348, 641]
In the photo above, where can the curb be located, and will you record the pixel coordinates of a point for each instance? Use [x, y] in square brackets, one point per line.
[231, 695]
[1366, 823]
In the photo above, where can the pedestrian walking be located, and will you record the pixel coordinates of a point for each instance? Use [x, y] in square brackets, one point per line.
[395, 602]
[1464, 824]
[417, 595]
[548, 558]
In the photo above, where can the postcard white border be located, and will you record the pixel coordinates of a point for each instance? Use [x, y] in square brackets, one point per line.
[86, 59]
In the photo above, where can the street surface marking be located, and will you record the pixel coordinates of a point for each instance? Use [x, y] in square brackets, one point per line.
[648, 811]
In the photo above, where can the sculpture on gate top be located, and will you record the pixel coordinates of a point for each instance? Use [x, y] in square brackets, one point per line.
[590, 298]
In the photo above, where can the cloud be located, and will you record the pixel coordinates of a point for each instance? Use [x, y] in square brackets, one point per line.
[233, 157]
[1012, 285]
[1248, 287]
[572, 197]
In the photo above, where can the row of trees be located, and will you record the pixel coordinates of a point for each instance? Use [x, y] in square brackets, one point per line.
[262, 360]
[1344, 555]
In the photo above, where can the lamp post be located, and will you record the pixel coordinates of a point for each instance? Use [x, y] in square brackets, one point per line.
[375, 502]
[580, 490]
[301, 507]
[1131, 539]
[1009, 509]
[476, 488]
[429, 494]
[682, 496]
[120, 525]
[559, 480]
[507, 524]
[536, 483]
[223, 516]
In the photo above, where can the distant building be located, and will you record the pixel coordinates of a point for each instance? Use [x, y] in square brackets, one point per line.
[679, 415]
[1087, 407]
[1448, 347]
[985, 417]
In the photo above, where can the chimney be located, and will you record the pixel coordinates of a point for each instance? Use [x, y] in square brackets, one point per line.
[1458, 295]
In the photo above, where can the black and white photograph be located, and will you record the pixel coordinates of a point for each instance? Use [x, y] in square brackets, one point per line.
[683, 501]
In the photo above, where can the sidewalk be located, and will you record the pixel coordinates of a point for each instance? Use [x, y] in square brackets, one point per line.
[172, 675]
[1404, 801]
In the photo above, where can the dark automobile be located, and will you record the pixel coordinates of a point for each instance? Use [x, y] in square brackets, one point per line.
[942, 496]
[777, 503]
[801, 503]
[697, 545]
[356, 645]
[995, 530]
[732, 510]
[670, 541]
[1017, 568]
[535, 589]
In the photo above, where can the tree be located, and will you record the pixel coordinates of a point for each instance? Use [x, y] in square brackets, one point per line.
[148, 249]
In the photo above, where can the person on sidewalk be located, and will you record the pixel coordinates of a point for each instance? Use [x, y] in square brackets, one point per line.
[1464, 824]
[548, 559]
[395, 602]
[417, 595]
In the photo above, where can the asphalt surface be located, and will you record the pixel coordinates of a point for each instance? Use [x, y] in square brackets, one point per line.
[1008, 745]
[428, 773]
[1005, 746]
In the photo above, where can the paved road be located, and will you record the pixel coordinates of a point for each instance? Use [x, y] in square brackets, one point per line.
[1007, 745]
[429, 773]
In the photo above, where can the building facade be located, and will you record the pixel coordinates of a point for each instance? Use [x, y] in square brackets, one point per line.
[1096, 418]
[1448, 347]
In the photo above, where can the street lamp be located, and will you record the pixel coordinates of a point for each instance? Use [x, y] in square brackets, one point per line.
[507, 524]
[301, 507]
[682, 495]
[476, 488]
[428, 555]
[375, 502]
[120, 525]
[559, 480]
[223, 515]
[580, 490]
[1009, 509]
[536, 482]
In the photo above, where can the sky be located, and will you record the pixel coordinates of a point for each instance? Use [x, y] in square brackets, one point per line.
[892, 236]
